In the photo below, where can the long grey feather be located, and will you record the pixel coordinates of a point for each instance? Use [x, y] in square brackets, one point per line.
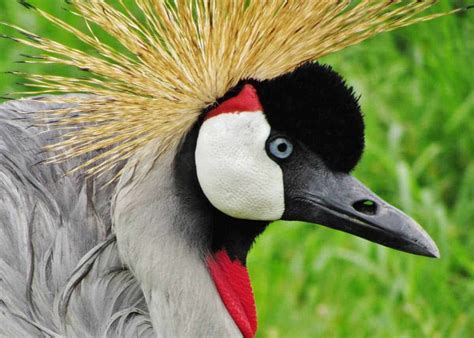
[60, 272]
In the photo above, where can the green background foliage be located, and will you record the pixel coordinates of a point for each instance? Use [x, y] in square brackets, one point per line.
[417, 92]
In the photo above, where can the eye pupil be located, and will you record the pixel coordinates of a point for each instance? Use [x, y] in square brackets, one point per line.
[280, 147]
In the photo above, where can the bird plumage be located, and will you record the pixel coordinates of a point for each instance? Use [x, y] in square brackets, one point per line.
[60, 273]
[107, 225]
[179, 57]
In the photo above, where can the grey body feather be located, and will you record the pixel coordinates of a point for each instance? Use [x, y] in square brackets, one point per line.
[60, 272]
[81, 258]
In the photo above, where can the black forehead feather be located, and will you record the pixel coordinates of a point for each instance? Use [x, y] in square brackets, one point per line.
[314, 105]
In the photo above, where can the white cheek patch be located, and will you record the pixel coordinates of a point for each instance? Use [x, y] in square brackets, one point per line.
[234, 170]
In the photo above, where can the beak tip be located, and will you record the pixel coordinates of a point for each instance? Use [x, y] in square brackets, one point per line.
[431, 249]
[434, 252]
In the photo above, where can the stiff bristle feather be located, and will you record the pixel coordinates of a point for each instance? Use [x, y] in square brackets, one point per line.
[180, 56]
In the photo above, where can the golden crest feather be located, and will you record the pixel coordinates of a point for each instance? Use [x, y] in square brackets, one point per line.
[179, 56]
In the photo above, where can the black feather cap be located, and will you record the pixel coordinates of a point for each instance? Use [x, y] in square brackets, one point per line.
[314, 106]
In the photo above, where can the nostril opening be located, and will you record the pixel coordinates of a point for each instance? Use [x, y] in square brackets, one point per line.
[367, 207]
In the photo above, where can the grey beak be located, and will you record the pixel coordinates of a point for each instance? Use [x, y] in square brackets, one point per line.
[341, 202]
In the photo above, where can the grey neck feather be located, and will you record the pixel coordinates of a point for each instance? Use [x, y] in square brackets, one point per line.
[154, 220]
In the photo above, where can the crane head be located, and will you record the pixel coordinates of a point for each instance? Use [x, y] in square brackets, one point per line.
[285, 149]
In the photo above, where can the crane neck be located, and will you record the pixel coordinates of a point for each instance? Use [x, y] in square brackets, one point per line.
[189, 258]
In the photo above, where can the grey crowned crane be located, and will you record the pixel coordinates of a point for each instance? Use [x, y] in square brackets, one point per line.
[166, 161]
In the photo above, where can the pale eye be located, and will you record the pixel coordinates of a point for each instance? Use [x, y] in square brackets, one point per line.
[280, 147]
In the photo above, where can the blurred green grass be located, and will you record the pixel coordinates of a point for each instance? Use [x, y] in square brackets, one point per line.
[417, 88]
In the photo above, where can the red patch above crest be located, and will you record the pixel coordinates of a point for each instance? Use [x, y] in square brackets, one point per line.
[246, 101]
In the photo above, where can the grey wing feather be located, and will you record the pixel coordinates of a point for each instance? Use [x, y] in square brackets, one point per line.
[60, 272]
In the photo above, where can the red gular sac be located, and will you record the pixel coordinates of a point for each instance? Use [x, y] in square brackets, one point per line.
[233, 284]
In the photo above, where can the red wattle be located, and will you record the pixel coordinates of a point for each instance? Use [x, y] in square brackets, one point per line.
[233, 284]
[246, 101]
